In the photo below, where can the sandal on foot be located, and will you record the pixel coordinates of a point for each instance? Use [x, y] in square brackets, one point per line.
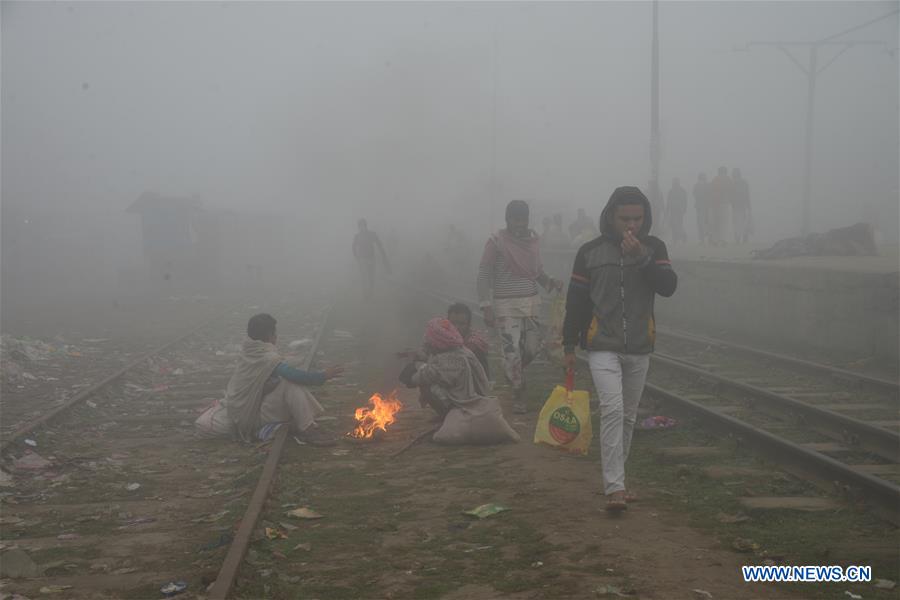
[615, 502]
[632, 497]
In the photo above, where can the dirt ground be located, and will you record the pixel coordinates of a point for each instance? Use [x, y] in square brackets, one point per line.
[393, 525]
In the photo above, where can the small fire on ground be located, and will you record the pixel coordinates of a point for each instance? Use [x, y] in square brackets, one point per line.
[378, 415]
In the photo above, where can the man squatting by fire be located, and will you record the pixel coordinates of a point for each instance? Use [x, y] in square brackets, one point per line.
[508, 276]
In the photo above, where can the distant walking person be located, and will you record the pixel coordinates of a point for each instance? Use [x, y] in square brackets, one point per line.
[720, 192]
[740, 208]
[654, 195]
[364, 245]
[701, 206]
[609, 312]
[676, 206]
[582, 227]
[508, 276]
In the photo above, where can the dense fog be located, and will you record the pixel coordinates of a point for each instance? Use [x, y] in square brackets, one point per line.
[278, 125]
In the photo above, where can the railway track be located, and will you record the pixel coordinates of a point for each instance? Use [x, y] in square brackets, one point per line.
[836, 375]
[44, 384]
[112, 495]
[834, 426]
[39, 375]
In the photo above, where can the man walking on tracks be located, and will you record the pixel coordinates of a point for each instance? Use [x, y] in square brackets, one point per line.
[741, 215]
[676, 206]
[508, 276]
[701, 205]
[609, 312]
[364, 244]
[721, 190]
[264, 391]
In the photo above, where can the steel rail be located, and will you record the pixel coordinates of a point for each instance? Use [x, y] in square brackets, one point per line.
[224, 583]
[871, 438]
[805, 365]
[85, 394]
[874, 439]
[884, 495]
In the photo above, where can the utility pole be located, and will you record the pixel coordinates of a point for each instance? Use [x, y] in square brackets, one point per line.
[812, 71]
[494, 74]
[654, 101]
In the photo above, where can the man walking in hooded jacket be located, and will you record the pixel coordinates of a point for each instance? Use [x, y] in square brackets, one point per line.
[609, 312]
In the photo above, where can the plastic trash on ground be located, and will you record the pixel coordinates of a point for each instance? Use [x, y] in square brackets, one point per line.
[173, 587]
[657, 422]
[485, 510]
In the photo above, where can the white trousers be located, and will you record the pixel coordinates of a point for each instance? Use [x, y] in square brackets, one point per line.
[619, 379]
[290, 403]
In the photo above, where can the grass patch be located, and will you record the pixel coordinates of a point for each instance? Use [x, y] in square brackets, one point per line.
[787, 537]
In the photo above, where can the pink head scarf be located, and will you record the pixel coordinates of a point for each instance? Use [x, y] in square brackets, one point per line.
[440, 334]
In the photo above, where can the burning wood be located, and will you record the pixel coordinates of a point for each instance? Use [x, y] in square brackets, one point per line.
[378, 416]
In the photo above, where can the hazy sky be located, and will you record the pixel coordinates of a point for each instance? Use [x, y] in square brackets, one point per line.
[338, 109]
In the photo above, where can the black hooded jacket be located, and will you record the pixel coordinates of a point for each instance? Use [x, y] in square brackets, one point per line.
[610, 299]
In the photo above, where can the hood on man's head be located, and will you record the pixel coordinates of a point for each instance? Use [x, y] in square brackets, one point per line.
[625, 195]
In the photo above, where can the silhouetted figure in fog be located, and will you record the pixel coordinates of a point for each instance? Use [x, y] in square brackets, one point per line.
[583, 227]
[552, 235]
[545, 231]
[556, 229]
[658, 206]
[720, 192]
[508, 279]
[676, 206]
[701, 206]
[741, 216]
[364, 244]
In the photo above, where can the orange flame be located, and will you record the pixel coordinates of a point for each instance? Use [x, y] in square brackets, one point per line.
[379, 416]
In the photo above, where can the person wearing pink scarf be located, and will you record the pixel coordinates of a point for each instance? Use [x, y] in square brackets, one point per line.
[441, 335]
[444, 358]
[508, 279]
[451, 381]
[461, 316]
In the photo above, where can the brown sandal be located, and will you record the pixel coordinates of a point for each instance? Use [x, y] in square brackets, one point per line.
[616, 502]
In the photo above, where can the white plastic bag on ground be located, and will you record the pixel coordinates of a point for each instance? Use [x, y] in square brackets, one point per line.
[214, 421]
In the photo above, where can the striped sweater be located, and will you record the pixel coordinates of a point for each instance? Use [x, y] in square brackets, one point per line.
[497, 281]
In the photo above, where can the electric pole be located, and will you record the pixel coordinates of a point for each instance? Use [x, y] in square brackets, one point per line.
[812, 71]
[654, 100]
